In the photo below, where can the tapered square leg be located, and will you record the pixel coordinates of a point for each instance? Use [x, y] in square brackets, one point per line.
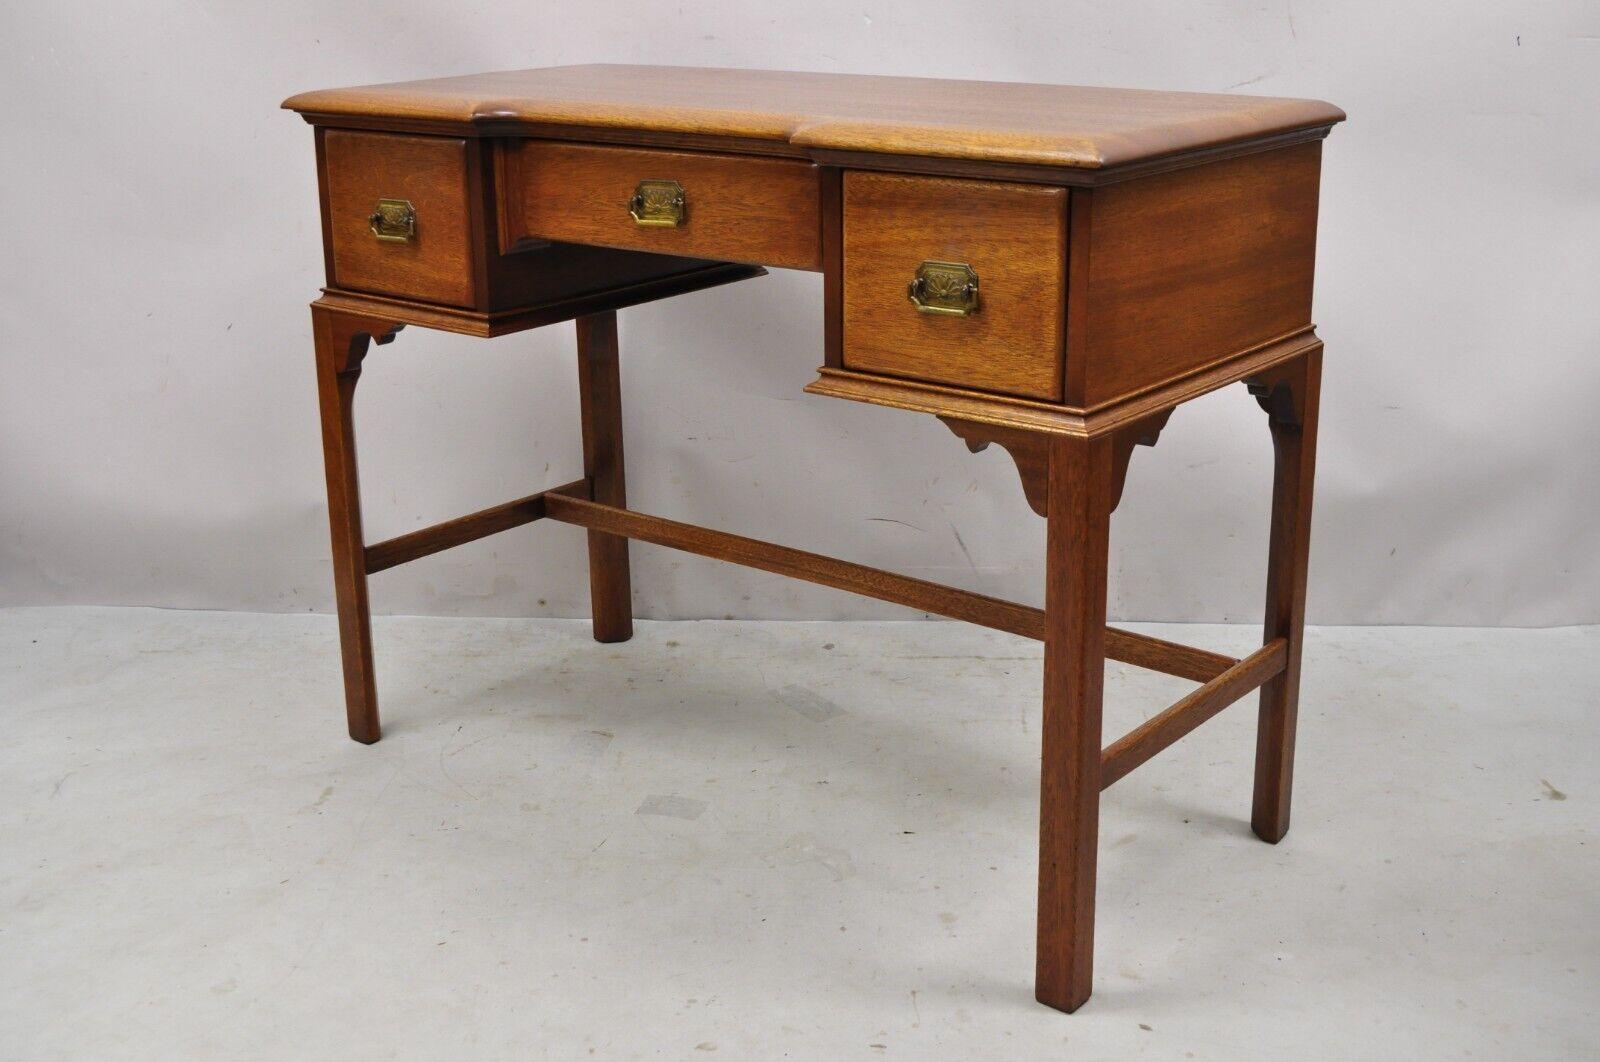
[1079, 520]
[600, 395]
[341, 342]
[1291, 401]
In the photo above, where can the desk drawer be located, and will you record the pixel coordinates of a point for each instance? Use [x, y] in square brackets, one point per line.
[423, 177]
[989, 260]
[733, 208]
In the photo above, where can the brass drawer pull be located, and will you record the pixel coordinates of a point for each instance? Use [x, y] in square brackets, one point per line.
[950, 288]
[394, 221]
[658, 204]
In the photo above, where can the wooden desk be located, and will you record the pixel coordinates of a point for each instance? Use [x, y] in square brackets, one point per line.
[1052, 269]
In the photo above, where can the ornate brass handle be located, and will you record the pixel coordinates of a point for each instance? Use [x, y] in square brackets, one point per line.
[394, 221]
[657, 203]
[949, 288]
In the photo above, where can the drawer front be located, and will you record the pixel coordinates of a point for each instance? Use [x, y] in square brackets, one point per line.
[1011, 239]
[733, 208]
[425, 176]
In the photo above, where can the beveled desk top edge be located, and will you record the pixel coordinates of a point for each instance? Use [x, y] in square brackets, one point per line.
[1070, 127]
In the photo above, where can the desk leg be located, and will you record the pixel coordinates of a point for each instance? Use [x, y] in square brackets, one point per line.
[600, 394]
[342, 341]
[1078, 539]
[1290, 400]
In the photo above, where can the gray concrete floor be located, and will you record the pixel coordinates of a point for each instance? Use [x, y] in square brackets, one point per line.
[770, 840]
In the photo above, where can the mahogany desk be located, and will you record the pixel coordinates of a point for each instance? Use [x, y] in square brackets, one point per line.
[1052, 269]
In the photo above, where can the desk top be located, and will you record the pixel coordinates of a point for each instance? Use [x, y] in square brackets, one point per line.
[1002, 122]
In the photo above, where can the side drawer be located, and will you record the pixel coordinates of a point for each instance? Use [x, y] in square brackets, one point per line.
[1011, 239]
[428, 175]
[734, 208]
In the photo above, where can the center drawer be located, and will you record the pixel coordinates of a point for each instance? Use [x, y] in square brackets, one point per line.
[731, 208]
[955, 281]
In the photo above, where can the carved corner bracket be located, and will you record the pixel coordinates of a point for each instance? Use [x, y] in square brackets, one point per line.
[1030, 450]
[1281, 394]
[345, 337]
[1145, 431]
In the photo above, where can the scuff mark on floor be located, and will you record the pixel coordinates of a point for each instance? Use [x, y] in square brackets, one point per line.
[672, 807]
[801, 848]
[589, 745]
[810, 704]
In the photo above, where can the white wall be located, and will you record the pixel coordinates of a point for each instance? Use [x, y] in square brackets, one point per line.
[158, 435]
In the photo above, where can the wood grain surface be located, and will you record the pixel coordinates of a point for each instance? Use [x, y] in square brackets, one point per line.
[1014, 238]
[739, 208]
[1182, 269]
[430, 173]
[1292, 399]
[1050, 125]
[600, 414]
[1077, 543]
[342, 341]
